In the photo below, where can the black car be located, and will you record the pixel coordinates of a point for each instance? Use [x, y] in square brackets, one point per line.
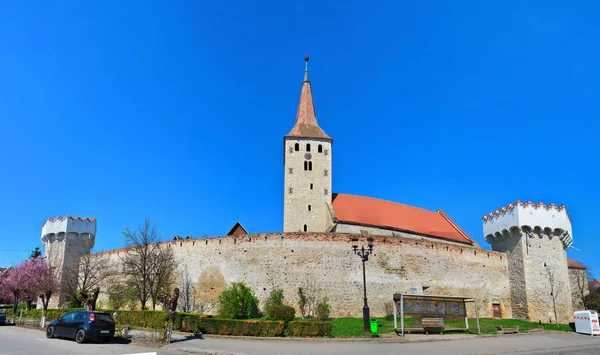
[82, 326]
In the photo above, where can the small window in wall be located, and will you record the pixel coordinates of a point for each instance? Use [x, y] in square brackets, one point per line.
[320, 149]
[309, 208]
[297, 147]
[310, 165]
[308, 147]
[305, 228]
[305, 165]
[311, 186]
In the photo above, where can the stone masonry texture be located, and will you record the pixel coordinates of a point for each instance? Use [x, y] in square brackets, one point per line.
[326, 260]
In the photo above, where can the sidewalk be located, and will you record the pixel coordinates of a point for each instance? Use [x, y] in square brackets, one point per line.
[446, 344]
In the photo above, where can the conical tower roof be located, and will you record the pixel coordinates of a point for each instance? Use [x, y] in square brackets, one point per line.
[306, 119]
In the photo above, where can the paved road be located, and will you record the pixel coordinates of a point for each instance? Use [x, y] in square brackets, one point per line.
[15, 340]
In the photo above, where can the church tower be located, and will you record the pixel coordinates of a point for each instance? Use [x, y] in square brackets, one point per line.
[307, 161]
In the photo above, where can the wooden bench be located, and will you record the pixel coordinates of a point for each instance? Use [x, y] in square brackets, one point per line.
[432, 324]
[508, 330]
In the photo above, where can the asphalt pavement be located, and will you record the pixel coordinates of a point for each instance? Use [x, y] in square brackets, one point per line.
[16, 340]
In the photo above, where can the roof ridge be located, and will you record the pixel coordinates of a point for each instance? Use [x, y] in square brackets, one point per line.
[394, 202]
[453, 224]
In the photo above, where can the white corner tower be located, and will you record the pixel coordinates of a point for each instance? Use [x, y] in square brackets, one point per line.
[535, 238]
[307, 161]
[66, 240]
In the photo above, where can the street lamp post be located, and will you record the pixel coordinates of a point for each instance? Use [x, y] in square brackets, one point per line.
[364, 255]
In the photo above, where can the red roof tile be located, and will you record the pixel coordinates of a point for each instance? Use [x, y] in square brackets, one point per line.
[391, 215]
[593, 284]
[572, 264]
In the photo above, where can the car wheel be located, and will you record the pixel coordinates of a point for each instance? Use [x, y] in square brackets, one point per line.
[50, 332]
[80, 336]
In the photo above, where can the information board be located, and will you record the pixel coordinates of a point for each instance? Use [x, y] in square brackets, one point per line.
[433, 307]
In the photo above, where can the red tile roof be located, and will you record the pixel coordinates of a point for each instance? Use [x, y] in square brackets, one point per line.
[306, 118]
[391, 215]
[572, 264]
[593, 284]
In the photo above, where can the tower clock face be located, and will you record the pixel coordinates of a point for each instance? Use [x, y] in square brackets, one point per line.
[307, 156]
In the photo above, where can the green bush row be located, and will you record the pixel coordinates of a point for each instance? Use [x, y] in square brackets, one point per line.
[308, 329]
[194, 323]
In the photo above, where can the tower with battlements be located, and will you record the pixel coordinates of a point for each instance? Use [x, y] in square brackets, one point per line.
[307, 164]
[535, 238]
[66, 240]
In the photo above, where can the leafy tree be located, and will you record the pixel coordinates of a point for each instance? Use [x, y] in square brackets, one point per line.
[84, 279]
[238, 302]
[275, 299]
[120, 295]
[36, 253]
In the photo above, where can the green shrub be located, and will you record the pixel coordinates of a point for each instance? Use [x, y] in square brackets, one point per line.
[308, 329]
[302, 301]
[284, 313]
[323, 309]
[275, 299]
[238, 302]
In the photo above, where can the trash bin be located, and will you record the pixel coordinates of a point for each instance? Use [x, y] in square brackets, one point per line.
[373, 326]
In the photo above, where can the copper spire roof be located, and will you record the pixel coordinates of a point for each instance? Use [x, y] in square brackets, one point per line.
[306, 118]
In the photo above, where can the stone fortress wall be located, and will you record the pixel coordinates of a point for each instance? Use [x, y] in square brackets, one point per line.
[292, 260]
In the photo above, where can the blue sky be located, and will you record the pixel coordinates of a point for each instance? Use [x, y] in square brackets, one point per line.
[176, 110]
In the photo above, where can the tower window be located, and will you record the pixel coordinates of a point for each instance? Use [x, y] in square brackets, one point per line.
[308, 147]
[320, 149]
[297, 147]
[310, 165]
[311, 186]
[309, 208]
[305, 165]
[305, 228]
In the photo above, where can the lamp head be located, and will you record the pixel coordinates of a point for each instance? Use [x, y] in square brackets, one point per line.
[354, 243]
[370, 243]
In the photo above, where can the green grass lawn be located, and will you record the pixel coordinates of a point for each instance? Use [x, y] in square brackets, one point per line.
[353, 327]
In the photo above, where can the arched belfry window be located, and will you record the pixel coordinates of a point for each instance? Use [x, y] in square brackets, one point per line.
[305, 228]
[310, 165]
[308, 147]
[320, 149]
[297, 147]
[305, 165]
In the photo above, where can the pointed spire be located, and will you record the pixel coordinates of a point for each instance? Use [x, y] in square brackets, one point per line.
[306, 118]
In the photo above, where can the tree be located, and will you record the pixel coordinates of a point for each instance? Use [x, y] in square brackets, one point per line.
[90, 299]
[170, 306]
[36, 253]
[150, 267]
[302, 301]
[187, 296]
[581, 287]
[238, 302]
[121, 295]
[83, 279]
[46, 285]
[555, 287]
[275, 299]
[13, 286]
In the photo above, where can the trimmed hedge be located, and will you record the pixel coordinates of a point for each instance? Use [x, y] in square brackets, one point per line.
[197, 324]
[185, 322]
[308, 329]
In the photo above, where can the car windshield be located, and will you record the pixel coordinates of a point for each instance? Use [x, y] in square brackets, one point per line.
[103, 316]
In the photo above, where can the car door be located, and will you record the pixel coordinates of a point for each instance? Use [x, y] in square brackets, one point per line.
[76, 322]
[62, 325]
